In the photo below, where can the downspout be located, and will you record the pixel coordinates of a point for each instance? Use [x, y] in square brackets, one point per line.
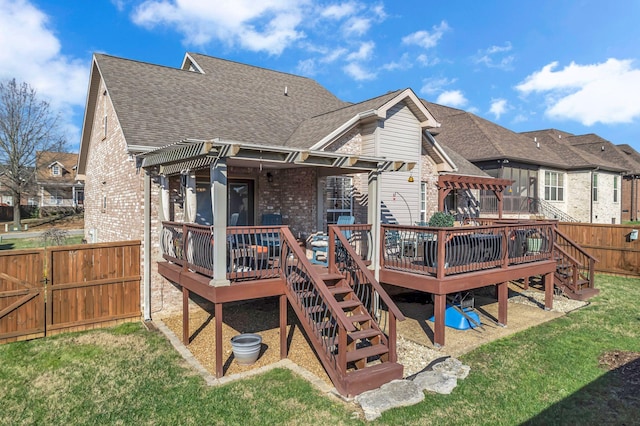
[147, 247]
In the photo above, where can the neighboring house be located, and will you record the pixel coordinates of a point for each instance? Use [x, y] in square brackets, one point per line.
[289, 147]
[608, 191]
[631, 185]
[551, 179]
[57, 185]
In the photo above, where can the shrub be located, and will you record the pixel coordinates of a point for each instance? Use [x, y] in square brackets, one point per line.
[442, 220]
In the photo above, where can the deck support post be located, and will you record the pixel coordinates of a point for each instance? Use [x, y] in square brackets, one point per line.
[548, 291]
[217, 311]
[503, 299]
[439, 307]
[185, 315]
[283, 327]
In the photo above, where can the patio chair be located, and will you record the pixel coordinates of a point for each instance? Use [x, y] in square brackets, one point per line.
[270, 239]
[320, 242]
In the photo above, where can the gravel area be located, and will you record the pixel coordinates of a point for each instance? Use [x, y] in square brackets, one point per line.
[415, 350]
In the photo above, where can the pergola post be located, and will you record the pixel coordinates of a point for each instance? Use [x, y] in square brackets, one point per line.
[500, 202]
[218, 179]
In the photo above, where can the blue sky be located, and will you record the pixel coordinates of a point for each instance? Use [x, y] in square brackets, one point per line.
[526, 65]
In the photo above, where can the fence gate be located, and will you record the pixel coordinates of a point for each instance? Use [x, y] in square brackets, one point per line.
[68, 288]
[22, 295]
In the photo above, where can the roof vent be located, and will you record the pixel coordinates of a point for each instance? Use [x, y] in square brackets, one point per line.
[286, 91]
[602, 148]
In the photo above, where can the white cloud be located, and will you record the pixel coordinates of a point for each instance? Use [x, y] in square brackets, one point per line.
[339, 11]
[498, 107]
[425, 61]
[605, 92]
[426, 39]
[357, 26]
[307, 67]
[431, 86]
[404, 63]
[363, 53]
[357, 72]
[495, 57]
[31, 53]
[269, 26]
[452, 98]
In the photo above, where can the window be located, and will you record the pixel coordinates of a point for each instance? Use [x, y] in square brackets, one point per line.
[594, 187]
[553, 186]
[55, 170]
[423, 202]
[615, 189]
[339, 197]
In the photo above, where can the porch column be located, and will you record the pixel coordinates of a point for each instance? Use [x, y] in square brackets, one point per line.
[373, 213]
[190, 202]
[164, 198]
[73, 196]
[218, 178]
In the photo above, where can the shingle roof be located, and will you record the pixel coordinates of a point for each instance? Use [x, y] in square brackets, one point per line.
[632, 154]
[570, 148]
[159, 105]
[477, 139]
[47, 158]
[465, 167]
[602, 148]
[316, 128]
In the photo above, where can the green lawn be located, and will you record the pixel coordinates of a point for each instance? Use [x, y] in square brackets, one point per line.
[22, 243]
[550, 374]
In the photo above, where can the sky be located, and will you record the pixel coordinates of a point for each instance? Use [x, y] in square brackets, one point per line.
[525, 65]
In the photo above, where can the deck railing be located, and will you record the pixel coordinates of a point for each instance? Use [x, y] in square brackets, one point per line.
[574, 260]
[444, 251]
[366, 288]
[252, 251]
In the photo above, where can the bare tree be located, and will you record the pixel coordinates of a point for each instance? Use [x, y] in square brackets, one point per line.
[28, 127]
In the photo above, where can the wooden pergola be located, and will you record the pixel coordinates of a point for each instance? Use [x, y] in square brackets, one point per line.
[448, 183]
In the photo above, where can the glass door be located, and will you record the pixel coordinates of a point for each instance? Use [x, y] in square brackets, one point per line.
[240, 202]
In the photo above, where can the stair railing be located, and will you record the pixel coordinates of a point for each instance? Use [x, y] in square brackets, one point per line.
[548, 210]
[320, 315]
[343, 258]
[585, 262]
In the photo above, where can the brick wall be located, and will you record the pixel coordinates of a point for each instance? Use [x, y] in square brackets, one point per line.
[112, 176]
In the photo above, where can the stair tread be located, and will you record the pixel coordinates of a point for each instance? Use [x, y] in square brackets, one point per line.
[345, 304]
[366, 352]
[331, 276]
[335, 290]
[359, 317]
[364, 334]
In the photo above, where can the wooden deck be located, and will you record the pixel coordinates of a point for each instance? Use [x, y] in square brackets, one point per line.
[440, 261]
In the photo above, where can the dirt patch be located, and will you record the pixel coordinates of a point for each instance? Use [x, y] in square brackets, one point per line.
[626, 367]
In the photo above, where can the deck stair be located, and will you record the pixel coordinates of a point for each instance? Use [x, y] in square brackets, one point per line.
[355, 351]
[574, 269]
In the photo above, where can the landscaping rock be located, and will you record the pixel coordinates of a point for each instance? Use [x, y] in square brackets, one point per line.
[452, 367]
[398, 393]
[435, 381]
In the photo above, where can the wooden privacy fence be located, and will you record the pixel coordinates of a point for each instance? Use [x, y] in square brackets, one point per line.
[610, 244]
[68, 288]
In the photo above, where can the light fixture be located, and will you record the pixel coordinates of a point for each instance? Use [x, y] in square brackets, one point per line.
[410, 178]
[269, 177]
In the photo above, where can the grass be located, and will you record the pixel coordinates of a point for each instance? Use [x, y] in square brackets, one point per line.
[549, 374]
[23, 243]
